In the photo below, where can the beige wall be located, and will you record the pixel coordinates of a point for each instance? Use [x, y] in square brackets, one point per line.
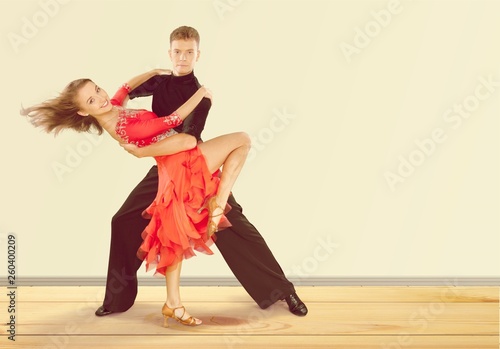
[375, 125]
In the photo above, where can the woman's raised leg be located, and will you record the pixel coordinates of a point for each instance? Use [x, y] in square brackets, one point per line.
[229, 151]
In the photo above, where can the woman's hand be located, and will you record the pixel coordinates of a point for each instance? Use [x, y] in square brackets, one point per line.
[132, 149]
[163, 71]
[184, 110]
[207, 93]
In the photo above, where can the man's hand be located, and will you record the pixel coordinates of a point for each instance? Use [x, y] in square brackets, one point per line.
[132, 149]
[167, 146]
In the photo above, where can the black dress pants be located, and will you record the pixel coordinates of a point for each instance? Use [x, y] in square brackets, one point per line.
[241, 245]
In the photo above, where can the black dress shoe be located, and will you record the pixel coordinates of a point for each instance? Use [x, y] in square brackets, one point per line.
[101, 311]
[296, 306]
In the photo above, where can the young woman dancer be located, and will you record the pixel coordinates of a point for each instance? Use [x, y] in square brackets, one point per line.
[191, 199]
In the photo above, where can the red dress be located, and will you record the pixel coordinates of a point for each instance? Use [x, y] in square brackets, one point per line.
[176, 228]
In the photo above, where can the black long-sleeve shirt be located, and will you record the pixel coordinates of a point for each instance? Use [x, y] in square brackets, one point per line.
[169, 93]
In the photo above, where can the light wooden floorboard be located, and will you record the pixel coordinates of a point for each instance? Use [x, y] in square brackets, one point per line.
[339, 317]
[338, 294]
[167, 341]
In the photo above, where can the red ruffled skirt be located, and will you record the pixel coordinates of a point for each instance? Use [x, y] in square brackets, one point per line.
[177, 228]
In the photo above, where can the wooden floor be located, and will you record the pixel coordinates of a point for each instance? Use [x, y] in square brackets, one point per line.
[339, 317]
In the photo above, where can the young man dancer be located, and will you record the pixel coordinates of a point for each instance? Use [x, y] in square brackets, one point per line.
[241, 245]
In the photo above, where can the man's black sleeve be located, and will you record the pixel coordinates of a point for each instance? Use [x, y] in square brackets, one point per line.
[195, 122]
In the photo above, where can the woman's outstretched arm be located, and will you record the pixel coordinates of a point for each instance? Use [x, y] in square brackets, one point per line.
[138, 80]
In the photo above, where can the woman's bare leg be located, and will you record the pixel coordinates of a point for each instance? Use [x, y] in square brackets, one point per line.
[229, 151]
[173, 278]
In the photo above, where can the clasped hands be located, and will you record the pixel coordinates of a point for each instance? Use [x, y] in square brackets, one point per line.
[159, 71]
[134, 149]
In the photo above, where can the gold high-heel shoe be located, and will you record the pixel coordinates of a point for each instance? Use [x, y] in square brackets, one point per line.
[211, 205]
[170, 313]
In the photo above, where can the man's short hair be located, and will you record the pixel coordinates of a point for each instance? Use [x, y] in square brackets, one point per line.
[185, 33]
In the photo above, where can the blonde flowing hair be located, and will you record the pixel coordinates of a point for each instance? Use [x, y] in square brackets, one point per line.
[61, 112]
